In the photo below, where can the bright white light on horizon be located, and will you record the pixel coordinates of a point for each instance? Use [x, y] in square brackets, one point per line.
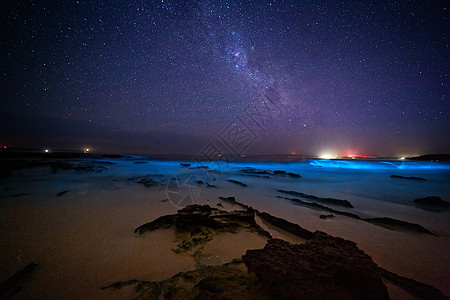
[402, 158]
[328, 156]
[46, 150]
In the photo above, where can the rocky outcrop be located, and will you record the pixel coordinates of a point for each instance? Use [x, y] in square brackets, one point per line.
[265, 173]
[148, 180]
[228, 281]
[325, 217]
[408, 177]
[232, 200]
[281, 172]
[237, 182]
[290, 227]
[198, 224]
[395, 224]
[385, 222]
[432, 203]
[325, 267]
[418, 289]
[320, 199]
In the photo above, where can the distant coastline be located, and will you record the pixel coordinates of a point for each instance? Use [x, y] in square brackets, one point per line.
[62, 153]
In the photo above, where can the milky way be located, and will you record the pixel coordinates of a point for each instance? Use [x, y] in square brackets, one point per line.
[170, 76]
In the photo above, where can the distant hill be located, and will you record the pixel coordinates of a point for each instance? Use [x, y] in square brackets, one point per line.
[440, 157]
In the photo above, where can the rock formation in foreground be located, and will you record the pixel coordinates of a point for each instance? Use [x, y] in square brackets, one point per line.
[325, 267]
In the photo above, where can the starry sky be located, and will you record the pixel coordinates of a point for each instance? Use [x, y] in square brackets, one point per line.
[147, 77]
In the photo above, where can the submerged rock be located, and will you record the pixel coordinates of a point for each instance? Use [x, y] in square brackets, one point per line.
[432, 201]
[418, 289]
[318, 206]
[237, 182]
[286, 225]
[395, 224]
[325, 267]
[15, 283]
[255, 171]
[147, 180]
[62, 193]
[280, 172]
[385, 222]
[320, 199]
[408, 177]
[324, 217]
[199, 167]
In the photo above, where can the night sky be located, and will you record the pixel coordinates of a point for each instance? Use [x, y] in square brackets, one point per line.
[147, 77]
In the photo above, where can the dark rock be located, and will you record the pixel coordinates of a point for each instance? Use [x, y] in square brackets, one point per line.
[120, 284]
[321, 207]
[432, 201]
[232, 200]
[320, 199]
[147, 180]
[394, 224]
[200, 182]
[326, 216]
[237, 182]
[255, 175]
[406, 177]
[228, 281]
[198, 224]
[199, 167]
[295, 175]
[210, 185]
[165, 200]
[219, 204]
[185, 165]
[140, 162]
[325, 267]
[62, 193]
[388, 223]
[418, 289]
[286, 225]
[163, 222]
[105, 162]
[255, 171]
[279, 172]
[15, 283]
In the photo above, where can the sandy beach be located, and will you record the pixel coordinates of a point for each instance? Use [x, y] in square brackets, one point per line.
[78, 225]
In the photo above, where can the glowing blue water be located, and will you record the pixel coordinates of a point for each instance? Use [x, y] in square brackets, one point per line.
[379, 165]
